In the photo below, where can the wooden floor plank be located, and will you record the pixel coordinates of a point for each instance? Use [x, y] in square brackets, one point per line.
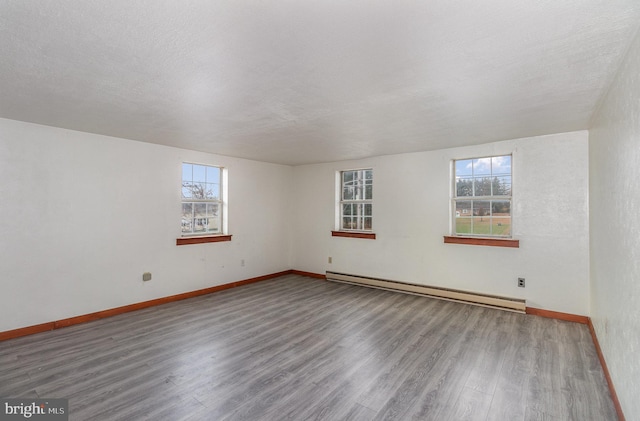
[440, 395]
[300, 348]
[472, 405]
[509, 400]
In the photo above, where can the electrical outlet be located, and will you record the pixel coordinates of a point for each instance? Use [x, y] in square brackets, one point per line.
[330, 260]
[521, 282]
[146, 276]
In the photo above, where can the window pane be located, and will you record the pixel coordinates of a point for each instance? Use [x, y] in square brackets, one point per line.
[482, 186]
[464, 167]
[213, 175]
[200, 210]
[481, 220]
[501, 164]
[482, 166]
[501, 208]
[212, 209]
[199, 173]
[187, 216]
[463, 208]
[501, 186]
[214, 224]
[186, 190]
[501, 225]
[197, 190]
[368, 175]
[348, 193]
[481, 208]
[358, 193]
[199, 224]
[347, 176]
[368, 193]
[367, 209]
[187, 210]
[212, 191]
[348, 223]
[464, 187]
[346, 209]
[481, 225]
[187, 172]
[463, 225]
[367, 223]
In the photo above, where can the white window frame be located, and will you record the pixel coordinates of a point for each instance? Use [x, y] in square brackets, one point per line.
[212, 195]
[456, 214]
[360, 203]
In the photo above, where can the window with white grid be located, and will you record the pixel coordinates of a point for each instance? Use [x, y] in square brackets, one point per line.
[356, 200]
[482, 197]
[202, 200]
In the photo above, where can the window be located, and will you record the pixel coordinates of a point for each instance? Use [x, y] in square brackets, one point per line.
[482, 197]
[356, 200]
[202, 203]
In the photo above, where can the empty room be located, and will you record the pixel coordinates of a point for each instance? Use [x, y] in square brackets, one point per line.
[331, 210]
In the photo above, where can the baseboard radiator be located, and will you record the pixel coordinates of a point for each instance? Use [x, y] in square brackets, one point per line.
[493, 301]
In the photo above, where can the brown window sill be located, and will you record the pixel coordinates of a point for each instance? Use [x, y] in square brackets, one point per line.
[477, 241]
[354, 234]
[204, 239]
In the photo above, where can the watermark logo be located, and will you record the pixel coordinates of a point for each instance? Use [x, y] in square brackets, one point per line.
[34, 409]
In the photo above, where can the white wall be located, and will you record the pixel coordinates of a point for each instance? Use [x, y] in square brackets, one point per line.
[83, 216]
[411, 216]
[614, 150]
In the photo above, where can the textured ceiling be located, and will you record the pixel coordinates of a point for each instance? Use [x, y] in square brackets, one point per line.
[295, 82]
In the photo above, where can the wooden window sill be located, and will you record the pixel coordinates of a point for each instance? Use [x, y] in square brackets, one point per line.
[354, 234]
[479, 241]
[183, 241]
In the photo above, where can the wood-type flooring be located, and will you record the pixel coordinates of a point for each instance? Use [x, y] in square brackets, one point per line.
[297, 348]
